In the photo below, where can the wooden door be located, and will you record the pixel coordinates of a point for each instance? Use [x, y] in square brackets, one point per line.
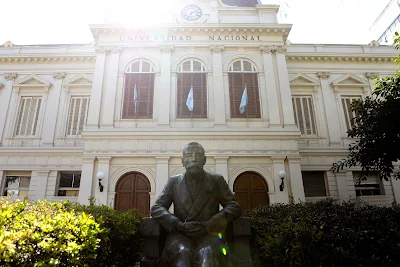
[251, 191]
[133, 192]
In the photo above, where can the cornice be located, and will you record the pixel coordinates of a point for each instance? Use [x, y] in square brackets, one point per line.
[46, 59]
[351, 58]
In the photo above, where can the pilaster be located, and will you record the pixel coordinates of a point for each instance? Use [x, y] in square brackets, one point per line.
[5, 101]
[221, 167]
[104, 167]
[271, 87]
[395, 186]
[371, 76]
[97, 88]
[343, 191]
[161, 174]
[296, 180]
[111, 77]
[2, 179]
[165, 85]
[87, 177]
[38, 185]
[50, 117]
[280, 196]
[218, 86]
[332, 114]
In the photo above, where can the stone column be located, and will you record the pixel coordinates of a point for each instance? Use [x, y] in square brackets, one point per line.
[103, 166]
[279, 165]
[97, 88]
[332, 114]
[218, 86]
[284, 87]
[5, 101]
[296, 180]
[2, 179]
[341, 181]
[50, 116]
[38, 185]
[371, 76]
[111, 78]
[161, 175]
[165, 86]
[271, 87]
[87, 177]
[221, 167]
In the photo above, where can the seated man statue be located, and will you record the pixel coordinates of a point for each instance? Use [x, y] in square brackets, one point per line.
[195, 226]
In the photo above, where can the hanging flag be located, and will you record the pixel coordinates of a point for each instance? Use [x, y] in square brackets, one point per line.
[189, 101]
[135, 97]
[244, 101]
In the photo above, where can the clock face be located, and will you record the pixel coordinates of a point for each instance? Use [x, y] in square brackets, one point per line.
[191, 12]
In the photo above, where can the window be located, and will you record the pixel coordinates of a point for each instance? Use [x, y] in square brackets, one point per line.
[314, 183]
[17, 186]
[304, 114]
[68, 184]
[369, 187]
[28, 115]
[77, 116]
[139, 91]
[348, 114]
[192, 74]
[243, 74]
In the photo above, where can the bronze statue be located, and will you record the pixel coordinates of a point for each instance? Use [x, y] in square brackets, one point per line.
[197, 221]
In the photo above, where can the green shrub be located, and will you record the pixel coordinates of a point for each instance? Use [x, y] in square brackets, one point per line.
[326, 234]
[121, 243]
[45, 234]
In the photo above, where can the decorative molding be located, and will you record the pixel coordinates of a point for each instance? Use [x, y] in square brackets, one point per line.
[273, 49]
[371, 75]
[303, 80]
[32, 81]
[356, 82]
[357, 58]
[262, 169]
[100, 49]
[323, 75]
[59, 75]
[10, 76]
[8, 44]
[217, 48]
[79, 80]
[373, 43]
[45, 59]
[107, 50]
[166, 48]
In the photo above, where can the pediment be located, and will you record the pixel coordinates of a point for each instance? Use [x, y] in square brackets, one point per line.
[32, 81]
[303, 80]
[78, 81]
[350, 80]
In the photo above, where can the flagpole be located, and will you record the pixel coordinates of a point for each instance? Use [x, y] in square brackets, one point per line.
[247, 114]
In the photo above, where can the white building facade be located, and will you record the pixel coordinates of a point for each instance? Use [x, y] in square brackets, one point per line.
[68, 112]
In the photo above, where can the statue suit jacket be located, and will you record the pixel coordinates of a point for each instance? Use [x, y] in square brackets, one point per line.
[214, 191]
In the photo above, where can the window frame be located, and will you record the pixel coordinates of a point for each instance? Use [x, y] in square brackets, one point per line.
[344, 115]
[314, 132]
[71, 97]
[324, 179]
[255, 91]
[182, 90]
[363, 186]
[6, 188]
[72, 188]
[37, 115]
[151, 74]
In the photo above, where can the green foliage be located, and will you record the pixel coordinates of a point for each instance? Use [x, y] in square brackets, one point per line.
[121, 242]
[45, 234]
[378, 130]
[326, 234]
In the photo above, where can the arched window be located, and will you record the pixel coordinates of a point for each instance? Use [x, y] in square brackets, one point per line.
[139, 90]
[192, 74]
[243, 75]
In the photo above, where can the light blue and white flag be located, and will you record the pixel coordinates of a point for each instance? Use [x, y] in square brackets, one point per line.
[135, 97]
[189, 101]
[244, 101]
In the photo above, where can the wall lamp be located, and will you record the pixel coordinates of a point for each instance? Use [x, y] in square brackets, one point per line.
[282, 175]
[100, 176]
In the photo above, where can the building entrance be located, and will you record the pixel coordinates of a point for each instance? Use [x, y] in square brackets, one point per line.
[133, 192]
[251, 191]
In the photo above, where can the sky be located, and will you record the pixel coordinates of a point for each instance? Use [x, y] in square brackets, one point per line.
[27, 22]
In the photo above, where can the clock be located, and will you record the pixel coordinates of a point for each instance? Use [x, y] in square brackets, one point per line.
[191, 12]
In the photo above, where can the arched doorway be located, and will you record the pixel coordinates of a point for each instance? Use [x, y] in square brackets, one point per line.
[132, 191]
[251, 191]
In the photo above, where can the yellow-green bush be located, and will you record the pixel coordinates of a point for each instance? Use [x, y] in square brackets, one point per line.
[46, 234]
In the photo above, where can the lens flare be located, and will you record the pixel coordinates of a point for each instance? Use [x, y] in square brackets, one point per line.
[219, 235]
[224, 251]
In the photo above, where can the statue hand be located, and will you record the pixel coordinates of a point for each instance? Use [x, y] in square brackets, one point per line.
[192, 229]
[216, 225]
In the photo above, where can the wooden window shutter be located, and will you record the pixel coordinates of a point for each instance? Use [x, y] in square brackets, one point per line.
[314, 183]
[237, 83]
[348, 113]
[304, 114]
[199, 83]
[145, 94]
[28, 116]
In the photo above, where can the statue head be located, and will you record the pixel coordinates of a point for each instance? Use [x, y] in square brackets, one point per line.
[193, 158]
